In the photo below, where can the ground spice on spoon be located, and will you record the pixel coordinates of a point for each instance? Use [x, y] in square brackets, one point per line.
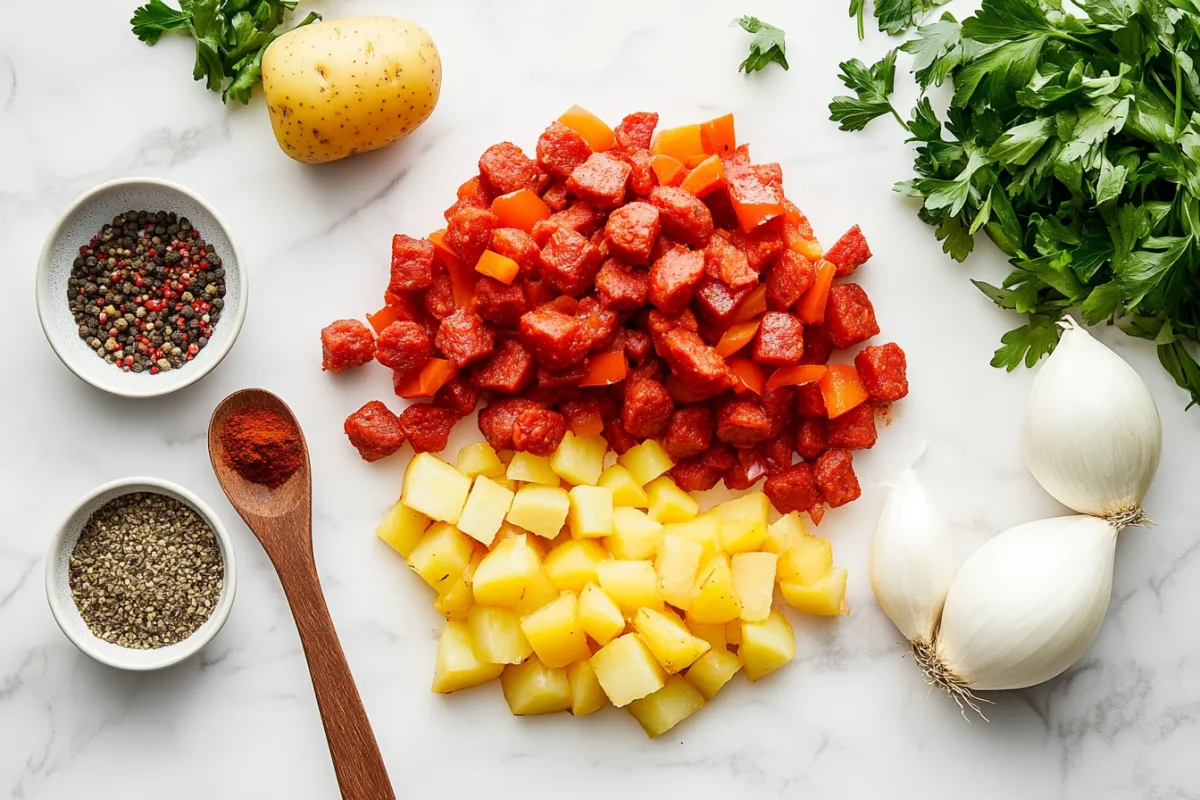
[262, 445]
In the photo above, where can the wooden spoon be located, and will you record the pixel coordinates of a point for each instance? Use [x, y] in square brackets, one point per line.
[281, 518]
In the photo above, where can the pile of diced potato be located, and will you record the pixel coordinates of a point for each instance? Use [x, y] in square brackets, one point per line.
[577, 584]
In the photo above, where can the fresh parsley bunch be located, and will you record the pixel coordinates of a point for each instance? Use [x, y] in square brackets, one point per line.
[1074, 144]
[231, 37]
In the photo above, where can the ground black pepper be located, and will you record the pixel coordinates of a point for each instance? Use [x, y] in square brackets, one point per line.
[147, 292]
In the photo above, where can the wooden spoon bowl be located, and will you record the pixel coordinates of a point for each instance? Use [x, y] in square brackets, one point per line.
[281, 518]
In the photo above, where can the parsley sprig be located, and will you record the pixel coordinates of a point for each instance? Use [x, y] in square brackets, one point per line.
[1073, 143]
[766, 46]
[893, 16]
[231, 37]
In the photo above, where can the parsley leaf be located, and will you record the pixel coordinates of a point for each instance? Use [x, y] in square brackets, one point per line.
[766, 46]
[873, 85]
[155, 18]
[1027, 344]
[897, 16]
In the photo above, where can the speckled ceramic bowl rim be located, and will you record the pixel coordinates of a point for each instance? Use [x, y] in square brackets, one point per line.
[67, 615]
[43, 298]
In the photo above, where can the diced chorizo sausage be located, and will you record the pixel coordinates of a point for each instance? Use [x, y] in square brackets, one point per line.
[742, 423]
[470, 231]
[812, 437]
[555, 338]
[636, 130]
[374, 431]
[500, 303]
[583, 417]
[721, 208]
[818, 347]
[505, 168]
[809, 400]
[407, 305]
[537, 293]
[518, 245]
[558, 378]
[569, 262]
[346, 343]
[726, 263]
[793, 489]
[834, 475]
[579, 218]
[403, 347]
[538, 431]
[463, 337]
[697, 365]
[778, 451]
[555, 197]
[620, 287]
[780, 405]
[689, 432]
[770, 174]
[458, 395]
[674, 278]
[853, 430]
[693, 475]
[631, 232]
[762, 246]
[849, 252]
[412, 264]
[497, 419]
[788, 279]
[883, 371]
[634, 342]
[745, 186]
[779, 341]
[642, 178]
[849, 315]
[599, 324]
[647, 408]
[439, 298]
[619, 440]
[427, 427]
[750, 468]
[560, 150]
[717, 303]
[601, 180]
[508, 370]
[684, 216]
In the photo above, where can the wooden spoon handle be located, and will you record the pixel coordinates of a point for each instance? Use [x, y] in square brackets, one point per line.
[361, 773]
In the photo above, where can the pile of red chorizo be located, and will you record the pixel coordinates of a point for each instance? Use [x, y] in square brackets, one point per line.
[635, 285]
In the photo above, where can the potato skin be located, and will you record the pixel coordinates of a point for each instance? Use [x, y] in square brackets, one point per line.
[346, 86]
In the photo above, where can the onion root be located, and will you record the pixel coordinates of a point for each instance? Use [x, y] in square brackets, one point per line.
[940, 676]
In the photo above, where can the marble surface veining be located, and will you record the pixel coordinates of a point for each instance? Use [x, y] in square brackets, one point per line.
[82, 101]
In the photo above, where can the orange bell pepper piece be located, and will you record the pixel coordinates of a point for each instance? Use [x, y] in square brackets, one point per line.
[705, 177]
[737, 337]
[717, 135]
[494, 265]
[520, 209]
[749, 376]
[754, 202]
[462, 281]
[794, 376]
[605, 369]
[811, 307]
[593, 129]
[438, 238]
[691, 162]
[383, 317]
[841, 389]
[670, 171]
[798, 234]
[678, 143]
[433, 376]
[681, 393]
[754, 306]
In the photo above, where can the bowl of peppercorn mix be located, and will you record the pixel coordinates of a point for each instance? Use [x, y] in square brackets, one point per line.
[141, 289]
[141, 575]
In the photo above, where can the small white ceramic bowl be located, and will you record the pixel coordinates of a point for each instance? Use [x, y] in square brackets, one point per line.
[85, 217]
[62, 604]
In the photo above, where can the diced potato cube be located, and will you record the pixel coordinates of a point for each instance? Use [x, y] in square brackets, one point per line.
[667, 707]
[669, 639]
[497, 636]
[555, 633]
[572, 565]
[713, 670]
[676, 566]
[402, 528]
[442, 555]
[435, 488]
[627, 670]
[540, 509]
[733, 632]
[579, 459]
[704, 530]
[457, 601]
[630, 584]
[587, 696]
[600, 617]
[626, 491]
[715, 599]
[485, 509]
[533, 688]
[591, 513]
[807, 562]
[635, 536]
[458, 666]
[743, 522]
[505, 573]
[529, 468]
[783, 534]
[713, 634]
[540, 592]
[669, 503]
[766, 646]
[478, 458]
[825, 598]
[754, 582]
[646, 461]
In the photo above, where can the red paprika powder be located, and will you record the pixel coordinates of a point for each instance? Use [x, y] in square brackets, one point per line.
[262, 445]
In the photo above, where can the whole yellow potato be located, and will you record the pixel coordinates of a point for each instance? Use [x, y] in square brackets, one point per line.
[347, 86]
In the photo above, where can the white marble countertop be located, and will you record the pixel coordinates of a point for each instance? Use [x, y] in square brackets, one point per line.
[850, 718]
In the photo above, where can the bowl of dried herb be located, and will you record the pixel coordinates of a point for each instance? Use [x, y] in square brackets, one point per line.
[141, 289]
[141, 574]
